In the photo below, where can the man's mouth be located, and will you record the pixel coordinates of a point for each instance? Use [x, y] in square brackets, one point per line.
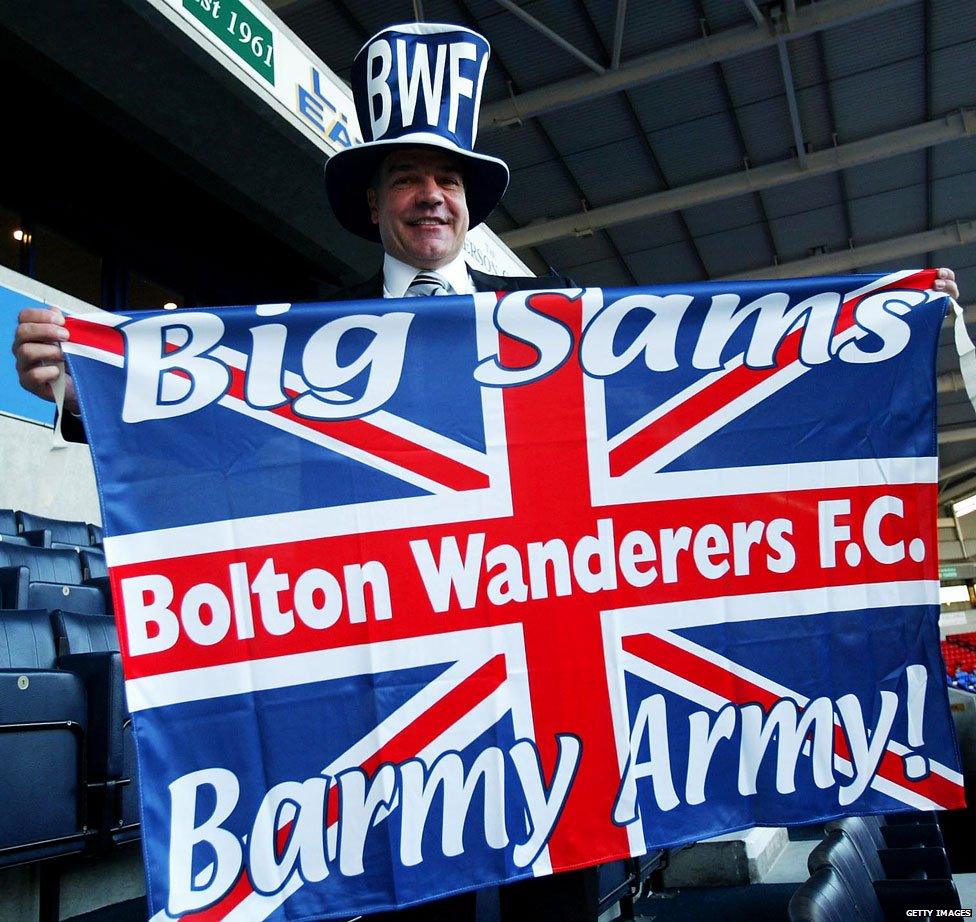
[423, 222]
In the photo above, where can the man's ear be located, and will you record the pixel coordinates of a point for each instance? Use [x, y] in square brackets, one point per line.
[374, 210]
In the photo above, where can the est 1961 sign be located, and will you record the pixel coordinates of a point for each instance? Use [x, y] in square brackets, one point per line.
[240, 30]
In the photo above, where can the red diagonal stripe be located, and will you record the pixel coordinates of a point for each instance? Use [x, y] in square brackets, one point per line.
[477, 687]
[357, 433]
[738, 690]
[730, 386]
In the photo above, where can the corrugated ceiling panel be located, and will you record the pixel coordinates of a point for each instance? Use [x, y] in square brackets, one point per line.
[815, 117]
[954, 199]
[520, 147]
[957, 157]
[725, 215]
[952, 21]
[952, 76]
[730, 251]
[580, 250]
[540, 191]
[589, 125]
[606, 273]
[888, 214]
[766, 130]
[327, 32]
[797, 197]
[647, 233]
[649, 26]
[679, 100]
[797, 235]
[753, 77]
[720, 14]
[673, 263]
[805, 59]
[870, 43]
[704, 148]
[532, 59]
[885, 174]
[881, 100]
[614, 172]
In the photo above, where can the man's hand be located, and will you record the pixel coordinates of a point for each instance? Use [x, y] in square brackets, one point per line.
[37, 348]
[947, 282]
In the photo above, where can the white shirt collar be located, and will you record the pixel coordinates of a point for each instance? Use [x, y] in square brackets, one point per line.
[397, 276]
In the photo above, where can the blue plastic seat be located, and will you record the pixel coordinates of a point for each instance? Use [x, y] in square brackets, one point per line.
[60, 530]
[36, 577]
[43, 723]
[89, 646]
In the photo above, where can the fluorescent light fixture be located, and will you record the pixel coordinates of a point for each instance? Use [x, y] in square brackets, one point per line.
[950, 594]
[964, 505]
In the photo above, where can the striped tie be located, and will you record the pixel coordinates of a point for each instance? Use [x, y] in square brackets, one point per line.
[426, 284]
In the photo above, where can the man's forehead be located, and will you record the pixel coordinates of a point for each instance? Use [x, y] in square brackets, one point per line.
[412, 158]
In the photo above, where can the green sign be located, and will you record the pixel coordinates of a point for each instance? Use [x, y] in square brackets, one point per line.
[240, 30]
[948, 573]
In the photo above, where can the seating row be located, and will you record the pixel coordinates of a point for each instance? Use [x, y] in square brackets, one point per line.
[869, 870]
[18, 527]
[42, 577]
[67, 754]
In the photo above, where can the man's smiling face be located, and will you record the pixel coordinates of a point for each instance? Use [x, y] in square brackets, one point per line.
[417, 200]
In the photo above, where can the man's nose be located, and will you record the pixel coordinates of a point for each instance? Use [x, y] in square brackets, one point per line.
[430, 191]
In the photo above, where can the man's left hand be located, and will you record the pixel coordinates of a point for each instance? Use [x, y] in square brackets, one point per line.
[947, 282]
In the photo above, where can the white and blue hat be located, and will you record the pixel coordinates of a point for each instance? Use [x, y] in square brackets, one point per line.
[416, 85]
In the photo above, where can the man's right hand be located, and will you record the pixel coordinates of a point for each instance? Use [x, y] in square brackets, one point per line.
[37, 348]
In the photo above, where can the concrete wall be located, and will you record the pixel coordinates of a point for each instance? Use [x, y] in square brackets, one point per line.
[60, 483]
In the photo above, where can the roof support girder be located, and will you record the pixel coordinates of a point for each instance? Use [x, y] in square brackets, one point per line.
[721, 46]
[950, 235]
[958, 434]
[952, 127]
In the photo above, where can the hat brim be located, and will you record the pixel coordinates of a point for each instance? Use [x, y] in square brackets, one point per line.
[349, 173]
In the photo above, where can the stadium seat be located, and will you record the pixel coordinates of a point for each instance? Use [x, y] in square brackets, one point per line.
[838, 851]
[89, 646]
[95, 535]
[618, 884]
[825, 897]
[902, 835]
[8, 522]
[35, 577]
[893, 863]
[93, 563]
[13, 539]
[75, 534]
[43, 724]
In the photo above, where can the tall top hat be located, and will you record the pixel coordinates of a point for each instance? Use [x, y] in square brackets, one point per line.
[416, 85]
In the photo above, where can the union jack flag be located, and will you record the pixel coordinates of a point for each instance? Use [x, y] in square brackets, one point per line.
[644, 555]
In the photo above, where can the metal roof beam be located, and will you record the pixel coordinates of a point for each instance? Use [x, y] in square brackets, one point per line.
[618, 34]
[965, 488]
[951, 235]
[553, 37]
[938, 131]
[954, 470]
[957, 434]
[787, 70]
[721, 46]
[755, 12]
